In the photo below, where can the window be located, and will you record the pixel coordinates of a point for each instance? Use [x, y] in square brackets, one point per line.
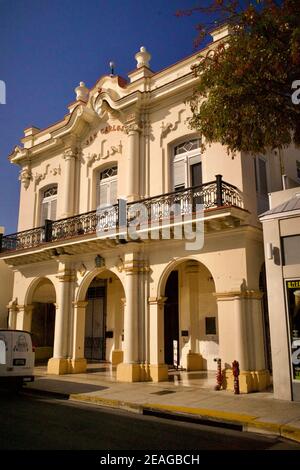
[108, 186]
[49, 204]
[298, 168]
[186, 170]
[210, 326]
[291, 249]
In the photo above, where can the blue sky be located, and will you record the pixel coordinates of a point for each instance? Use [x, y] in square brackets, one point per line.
[48, 46]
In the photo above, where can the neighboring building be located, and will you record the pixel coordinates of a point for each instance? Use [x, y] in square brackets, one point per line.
[281, 228]
[148, 303]
[6, 289]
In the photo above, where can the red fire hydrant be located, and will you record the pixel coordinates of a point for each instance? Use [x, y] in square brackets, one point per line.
[236, 373]
[219, 375]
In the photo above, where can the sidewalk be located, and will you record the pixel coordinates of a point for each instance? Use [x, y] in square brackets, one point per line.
[188, 395]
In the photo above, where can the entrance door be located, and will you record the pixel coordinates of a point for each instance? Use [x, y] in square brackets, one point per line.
[171, 318]
[95, 322]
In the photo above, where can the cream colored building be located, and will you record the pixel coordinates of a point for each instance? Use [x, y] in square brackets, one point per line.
[149, 303]
[6, 289]
[281, 227]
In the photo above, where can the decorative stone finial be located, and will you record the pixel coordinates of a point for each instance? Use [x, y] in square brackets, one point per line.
[82, 92]
[142, 57]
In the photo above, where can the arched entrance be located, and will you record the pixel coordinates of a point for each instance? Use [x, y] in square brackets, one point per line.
[104, 318]
[42, 299]
[190, 317]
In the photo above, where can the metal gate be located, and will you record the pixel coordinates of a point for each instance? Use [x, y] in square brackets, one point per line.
[95, 322]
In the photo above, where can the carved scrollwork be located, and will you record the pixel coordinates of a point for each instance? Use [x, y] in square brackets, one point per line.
[38, 177]
[25, 177]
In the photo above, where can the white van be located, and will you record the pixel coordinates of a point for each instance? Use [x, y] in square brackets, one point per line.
[16, 357]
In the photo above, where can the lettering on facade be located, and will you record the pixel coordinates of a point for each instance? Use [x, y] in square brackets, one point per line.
[105, 130]
[38, 177]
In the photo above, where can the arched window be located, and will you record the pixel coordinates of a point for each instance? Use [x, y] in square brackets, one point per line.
[49, 203]
[186, 168]
[108, 186]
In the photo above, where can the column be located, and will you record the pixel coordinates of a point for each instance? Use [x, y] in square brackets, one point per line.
[193, 358]
[24, 317]
[130, 370]
[133, 131]
[69, 182]
[240, 333]
[12, 314]
[59, 363]
[158, 368]
[78, 361]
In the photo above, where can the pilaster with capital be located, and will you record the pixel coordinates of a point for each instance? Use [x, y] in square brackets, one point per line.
[70, 156]
[58, 364]
[12, 314]
[133, 130]
[24, 317]
[241, 338]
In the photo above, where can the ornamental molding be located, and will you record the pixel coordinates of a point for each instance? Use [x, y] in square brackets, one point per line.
[38, 177]
[25, 177]
[103, 155]
[70, 153]
[133, 127]
[169, 126]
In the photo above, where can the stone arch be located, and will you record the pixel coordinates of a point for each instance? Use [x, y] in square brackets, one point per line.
[101, 297]
[87, 279]
[171, 266]
[33, 286]
[190, 315]
[39, 304]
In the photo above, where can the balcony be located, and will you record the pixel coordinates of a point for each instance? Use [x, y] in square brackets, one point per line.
[219, 201]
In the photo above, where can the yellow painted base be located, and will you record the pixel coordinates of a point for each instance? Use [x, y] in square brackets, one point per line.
[158, 373]
[117, 357]
[193, 361]
[43, 353]
[129, 372]
[77, 366]
[57, 366]
[249, 381]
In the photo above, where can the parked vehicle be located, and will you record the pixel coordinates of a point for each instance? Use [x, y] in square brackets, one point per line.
[16, 357]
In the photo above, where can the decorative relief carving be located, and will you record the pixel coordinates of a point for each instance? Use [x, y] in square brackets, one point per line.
[92, 157]
[38, 177]
[133, 127]
[70, 153]
[25, 177]
[169, 127]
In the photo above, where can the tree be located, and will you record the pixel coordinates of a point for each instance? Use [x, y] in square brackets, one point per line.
[244, 95]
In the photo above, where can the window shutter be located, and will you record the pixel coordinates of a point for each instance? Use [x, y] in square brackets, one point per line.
[179, 173]
[113, 192]
[53, 209]
[44, 212]
[103, 193]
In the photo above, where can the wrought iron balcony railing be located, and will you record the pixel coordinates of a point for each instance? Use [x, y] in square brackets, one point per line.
[215, 194]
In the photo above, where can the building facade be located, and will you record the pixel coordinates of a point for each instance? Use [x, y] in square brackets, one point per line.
[6, 276]
[185, 287]
[281, 228]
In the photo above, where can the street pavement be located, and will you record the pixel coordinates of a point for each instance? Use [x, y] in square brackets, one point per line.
[186, 397]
